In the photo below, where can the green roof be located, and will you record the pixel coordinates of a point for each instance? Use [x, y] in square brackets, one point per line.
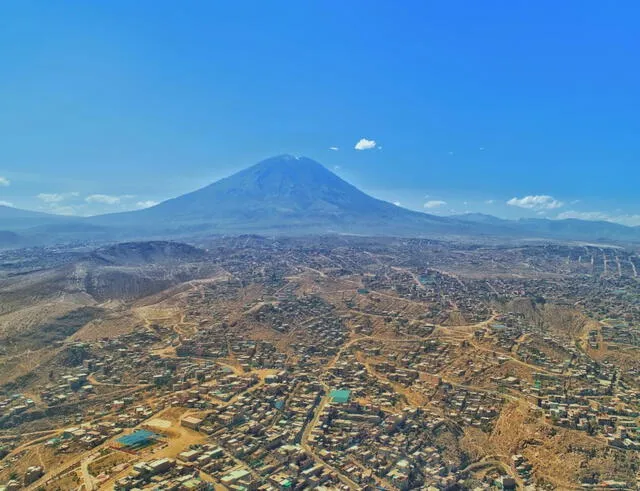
[340, 396]
[237, 474]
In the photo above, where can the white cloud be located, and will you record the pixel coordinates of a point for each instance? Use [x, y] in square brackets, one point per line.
[54, 203]
[335, 149]
[365, 144]
[4, 181]
[103, 198]
[434, 203]
[489, 202]
[146, 204]
[6, 203]
[56, 197]
[397, 203]
[623, 219]
[51, 197]
[536, 202]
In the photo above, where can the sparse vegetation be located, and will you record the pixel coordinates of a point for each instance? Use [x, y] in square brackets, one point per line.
[450, 368]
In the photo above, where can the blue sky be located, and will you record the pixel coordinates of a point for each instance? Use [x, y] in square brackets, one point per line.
[509, 108]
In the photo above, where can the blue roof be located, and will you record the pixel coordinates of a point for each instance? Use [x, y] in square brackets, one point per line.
[340, 396]
[138, 438]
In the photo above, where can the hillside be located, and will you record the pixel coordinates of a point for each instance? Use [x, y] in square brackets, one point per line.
[459, 352]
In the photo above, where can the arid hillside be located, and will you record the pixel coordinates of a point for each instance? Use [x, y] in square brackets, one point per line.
[368, 361]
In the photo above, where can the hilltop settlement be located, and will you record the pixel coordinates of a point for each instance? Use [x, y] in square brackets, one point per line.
[335, 363]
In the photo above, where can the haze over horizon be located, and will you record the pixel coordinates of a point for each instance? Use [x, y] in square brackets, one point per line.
[455, 108]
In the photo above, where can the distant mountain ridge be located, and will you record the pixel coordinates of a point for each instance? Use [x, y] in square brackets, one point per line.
[16, 218]
[287, 195]
[570, 228]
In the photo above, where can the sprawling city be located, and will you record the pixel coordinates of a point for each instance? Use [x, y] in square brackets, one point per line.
[325, 363]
